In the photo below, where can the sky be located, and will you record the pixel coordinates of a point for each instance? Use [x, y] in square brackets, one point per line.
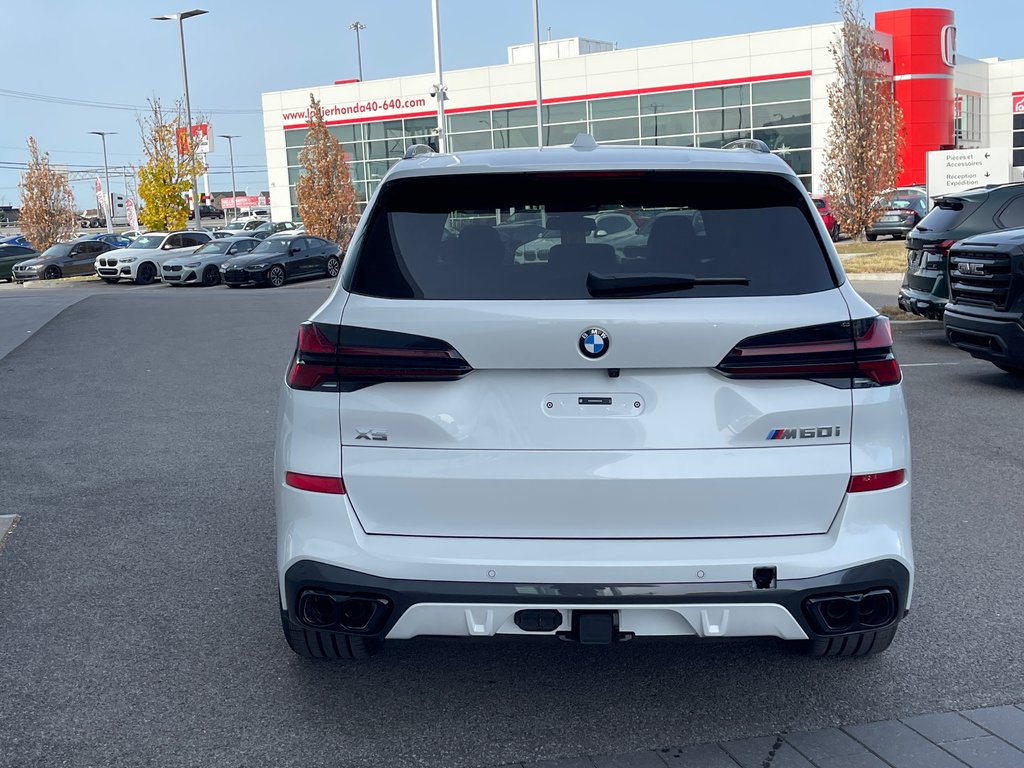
[111, 52]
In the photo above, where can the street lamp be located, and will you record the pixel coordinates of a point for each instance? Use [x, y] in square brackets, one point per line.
[231, 155]
[180, 17]
[108, 212]
[358, 25]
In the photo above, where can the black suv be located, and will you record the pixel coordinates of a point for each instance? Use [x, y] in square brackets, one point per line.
[925, 287]
[985, 313]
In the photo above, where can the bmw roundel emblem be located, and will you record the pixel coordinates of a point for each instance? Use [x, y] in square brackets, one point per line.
[594, 343]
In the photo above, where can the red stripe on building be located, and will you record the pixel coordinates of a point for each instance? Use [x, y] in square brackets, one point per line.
[565, 99]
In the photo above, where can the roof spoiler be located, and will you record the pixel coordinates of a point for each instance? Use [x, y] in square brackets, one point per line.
[415, 150]
[754, 145]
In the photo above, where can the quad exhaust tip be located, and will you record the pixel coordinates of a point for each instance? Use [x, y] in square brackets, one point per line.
[341, 612]
[835, 614]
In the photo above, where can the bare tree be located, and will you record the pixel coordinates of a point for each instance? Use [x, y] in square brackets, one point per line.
[48, 213]
[327, 200]
[865, 139]
[166, 176]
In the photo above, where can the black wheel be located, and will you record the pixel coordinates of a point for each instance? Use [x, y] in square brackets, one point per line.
[859, 644]
[111, 280]
[834, 233]
[276, 276]
[872, 238]
[52, 273]
[1010, 369]
[333, 266]
[211, 275]
[326, 645]
[146, 274]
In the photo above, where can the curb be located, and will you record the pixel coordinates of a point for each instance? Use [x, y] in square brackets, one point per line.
[60, 281]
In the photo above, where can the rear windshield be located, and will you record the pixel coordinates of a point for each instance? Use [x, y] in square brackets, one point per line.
[948, 214]
[464, 236]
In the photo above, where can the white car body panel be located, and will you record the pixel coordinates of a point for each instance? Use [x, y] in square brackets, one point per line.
[504, 477]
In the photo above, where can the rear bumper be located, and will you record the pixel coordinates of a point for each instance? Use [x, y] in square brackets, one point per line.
[450, 586]
[998, 339]
[899, 230]
[476, 609]
[921, 303]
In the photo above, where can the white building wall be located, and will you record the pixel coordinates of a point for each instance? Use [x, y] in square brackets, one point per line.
[585, 67]
[1005, 78]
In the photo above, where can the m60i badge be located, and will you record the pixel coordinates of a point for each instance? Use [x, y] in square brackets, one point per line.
[803, 433]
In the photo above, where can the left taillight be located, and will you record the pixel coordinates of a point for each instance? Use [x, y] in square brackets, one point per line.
[848, 354]
[315, 483]
[343, 358]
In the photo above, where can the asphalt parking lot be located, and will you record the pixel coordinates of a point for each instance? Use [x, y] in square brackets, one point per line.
[138, 616]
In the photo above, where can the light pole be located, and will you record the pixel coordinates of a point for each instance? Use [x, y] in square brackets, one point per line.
[180, 17]
[358, 25]
[108, 213]
[439, 89]
[231, 156]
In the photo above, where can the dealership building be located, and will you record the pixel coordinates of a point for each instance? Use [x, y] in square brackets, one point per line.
[764, 85]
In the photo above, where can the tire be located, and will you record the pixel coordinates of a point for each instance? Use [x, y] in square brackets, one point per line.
[311, 644]
[834, 233]
[333, 266]
[276, 276]
[211, 275]
[1010, 369]
[145, 274]
[52, 273]
[859, 644]
[111, 280]
[872, 238]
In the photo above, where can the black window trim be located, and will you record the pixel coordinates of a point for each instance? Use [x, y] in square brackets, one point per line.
[999, 214]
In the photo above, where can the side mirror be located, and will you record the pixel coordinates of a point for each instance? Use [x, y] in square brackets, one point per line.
[294, 250]
[601, 233]
[166, 246]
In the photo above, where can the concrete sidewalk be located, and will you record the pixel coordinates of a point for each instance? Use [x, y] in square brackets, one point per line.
[22, 312]
[992, 737]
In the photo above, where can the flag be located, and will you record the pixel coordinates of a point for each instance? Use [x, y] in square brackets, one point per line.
[133, 215]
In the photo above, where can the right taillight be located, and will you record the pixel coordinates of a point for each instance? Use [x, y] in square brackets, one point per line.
[855, 353]
[343, 358]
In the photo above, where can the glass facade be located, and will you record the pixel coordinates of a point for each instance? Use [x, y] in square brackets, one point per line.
[778, 112]
[967, 122]
[1018, 140]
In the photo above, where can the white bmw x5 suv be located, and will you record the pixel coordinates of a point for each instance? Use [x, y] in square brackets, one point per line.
[705, 436]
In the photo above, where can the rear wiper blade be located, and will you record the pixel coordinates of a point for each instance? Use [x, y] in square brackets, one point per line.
[652, 282]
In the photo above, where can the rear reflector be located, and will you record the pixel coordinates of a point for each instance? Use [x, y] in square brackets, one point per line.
[876, 481]
[848, 354]
[346, 358]
[314, 483]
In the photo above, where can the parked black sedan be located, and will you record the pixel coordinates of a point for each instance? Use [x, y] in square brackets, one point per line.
[282, 257]
[62, 260]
